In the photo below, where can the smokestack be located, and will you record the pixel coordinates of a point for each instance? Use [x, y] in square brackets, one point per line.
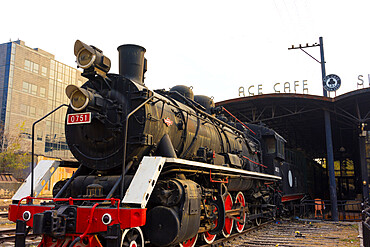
[132, 63]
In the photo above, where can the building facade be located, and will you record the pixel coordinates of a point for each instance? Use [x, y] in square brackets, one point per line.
[32, 83]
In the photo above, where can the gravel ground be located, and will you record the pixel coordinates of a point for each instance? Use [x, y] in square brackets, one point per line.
[302, 233]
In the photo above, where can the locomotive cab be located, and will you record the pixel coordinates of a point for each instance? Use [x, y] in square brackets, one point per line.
[273, 146]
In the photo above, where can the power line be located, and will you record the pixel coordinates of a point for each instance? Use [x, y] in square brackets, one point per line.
[306, 46]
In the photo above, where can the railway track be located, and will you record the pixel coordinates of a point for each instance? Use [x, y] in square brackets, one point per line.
[7, 238]
[234, 237]
[294, 233]
[3, 214]
[270, 233]
[7, 235]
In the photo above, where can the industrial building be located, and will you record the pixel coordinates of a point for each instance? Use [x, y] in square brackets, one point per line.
[32, 83]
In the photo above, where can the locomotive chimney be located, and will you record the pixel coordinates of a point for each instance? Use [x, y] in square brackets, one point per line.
[132, 63]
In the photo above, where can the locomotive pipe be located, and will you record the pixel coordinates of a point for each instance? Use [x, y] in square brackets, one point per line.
[76, 240]
[115, 186]
[132, 63]
[33, 144]
[125, 142]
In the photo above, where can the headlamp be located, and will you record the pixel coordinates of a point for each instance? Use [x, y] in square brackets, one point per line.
[85, 58]
[90, 57]
[79, 97]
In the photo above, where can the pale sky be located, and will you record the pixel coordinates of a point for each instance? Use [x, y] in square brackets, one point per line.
[214, 46]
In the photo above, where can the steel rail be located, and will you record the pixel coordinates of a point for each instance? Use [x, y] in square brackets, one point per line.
[235, 235]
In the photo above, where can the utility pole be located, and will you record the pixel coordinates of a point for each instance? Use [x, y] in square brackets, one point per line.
[329, 142]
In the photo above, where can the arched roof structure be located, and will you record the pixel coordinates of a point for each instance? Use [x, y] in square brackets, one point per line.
[299, 118]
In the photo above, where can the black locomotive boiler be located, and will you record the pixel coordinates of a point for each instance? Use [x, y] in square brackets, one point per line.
[159, 167]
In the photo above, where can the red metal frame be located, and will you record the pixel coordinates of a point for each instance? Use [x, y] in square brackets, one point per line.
[294, 197]
[217, 181]
[89, 219]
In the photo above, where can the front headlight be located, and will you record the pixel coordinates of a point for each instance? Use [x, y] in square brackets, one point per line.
[90, 57]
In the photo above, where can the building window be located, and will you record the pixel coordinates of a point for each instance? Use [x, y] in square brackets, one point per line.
[60, 68]
[27, 65]
[52, 72]
[23, 109]
[32, 111]
[29, 88]
[44, 71]
[59, 76]
[35, 68]
[31, 66]
[39, 135]
[26, 86]
[42, 92]
[33, 89]
[40, 112]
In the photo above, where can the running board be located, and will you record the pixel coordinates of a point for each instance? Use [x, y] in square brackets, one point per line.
[146, 176]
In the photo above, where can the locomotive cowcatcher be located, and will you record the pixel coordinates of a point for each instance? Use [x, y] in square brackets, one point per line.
[156, 168]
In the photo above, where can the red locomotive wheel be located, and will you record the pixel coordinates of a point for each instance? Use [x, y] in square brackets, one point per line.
[132, 237]
[208, 238]
[190, 242]
[229, 222]
[241, 200]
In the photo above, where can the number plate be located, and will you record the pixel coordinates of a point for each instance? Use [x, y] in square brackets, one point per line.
[79, 118]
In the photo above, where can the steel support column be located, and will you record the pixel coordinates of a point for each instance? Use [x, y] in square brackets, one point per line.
[364, 172]
[330, 164]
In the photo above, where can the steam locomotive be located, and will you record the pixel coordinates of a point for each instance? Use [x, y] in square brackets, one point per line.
[159, 168]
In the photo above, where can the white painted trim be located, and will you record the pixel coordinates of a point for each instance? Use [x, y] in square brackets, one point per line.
[144, 180]
[221, 168]
[42, 172]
